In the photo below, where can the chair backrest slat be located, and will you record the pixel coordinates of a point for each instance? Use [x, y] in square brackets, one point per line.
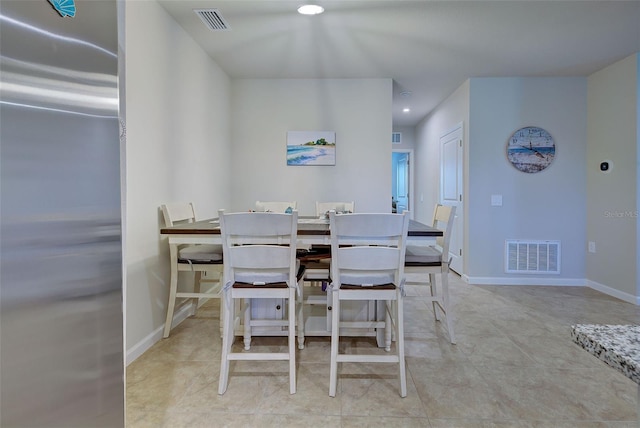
[443, 217]
[368, 258]
[380, 226]
[178, 213]
[260, 256]
[269, 225]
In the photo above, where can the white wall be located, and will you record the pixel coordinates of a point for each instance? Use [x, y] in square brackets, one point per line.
[572, 200]
[548, 205]
[358, 110]
[612, 201]
[451, 112]
[408, 137]
[490, 110]
[177, 149]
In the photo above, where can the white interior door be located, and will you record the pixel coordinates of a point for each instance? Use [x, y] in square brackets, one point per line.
[451, 148]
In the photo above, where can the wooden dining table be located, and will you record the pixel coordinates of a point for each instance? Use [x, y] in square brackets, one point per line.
[311, 231]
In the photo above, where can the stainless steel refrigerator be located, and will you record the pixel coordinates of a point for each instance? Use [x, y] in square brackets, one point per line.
[61, 307]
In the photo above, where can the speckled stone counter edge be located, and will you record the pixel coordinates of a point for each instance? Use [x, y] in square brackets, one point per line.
[616, 345]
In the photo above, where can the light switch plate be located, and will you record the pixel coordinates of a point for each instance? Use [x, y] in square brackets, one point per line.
[496, 200]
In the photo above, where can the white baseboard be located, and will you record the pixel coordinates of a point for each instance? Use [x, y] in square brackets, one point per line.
[573, 282]
[630, 298]
[562, 282]
[156, 335]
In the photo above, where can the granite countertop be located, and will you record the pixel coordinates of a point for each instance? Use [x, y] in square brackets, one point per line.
[616, 345]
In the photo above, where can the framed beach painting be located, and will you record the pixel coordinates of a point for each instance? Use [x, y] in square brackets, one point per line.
[311, 148]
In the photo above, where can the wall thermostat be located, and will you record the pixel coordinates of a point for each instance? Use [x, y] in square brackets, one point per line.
[605, 166]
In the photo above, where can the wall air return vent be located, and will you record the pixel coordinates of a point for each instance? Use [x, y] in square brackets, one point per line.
[212, 19]
[541, 257]
[396, 137]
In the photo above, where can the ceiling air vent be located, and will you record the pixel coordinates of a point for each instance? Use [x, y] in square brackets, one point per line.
[212, 19]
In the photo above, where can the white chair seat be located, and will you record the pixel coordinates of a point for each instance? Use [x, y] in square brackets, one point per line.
[425, 256]
[252, 277]
[200, 253]
[366, 279]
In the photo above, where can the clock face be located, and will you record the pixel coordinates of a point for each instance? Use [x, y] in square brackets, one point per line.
[531, 149]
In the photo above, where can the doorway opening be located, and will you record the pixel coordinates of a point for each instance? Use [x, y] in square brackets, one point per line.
[401, 181]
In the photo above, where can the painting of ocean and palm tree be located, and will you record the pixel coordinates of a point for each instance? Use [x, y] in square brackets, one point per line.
[531, 149]
[311, 148]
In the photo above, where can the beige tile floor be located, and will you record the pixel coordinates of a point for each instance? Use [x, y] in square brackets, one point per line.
[514, 366]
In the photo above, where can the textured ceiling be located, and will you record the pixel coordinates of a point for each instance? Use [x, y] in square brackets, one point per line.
[427, 47]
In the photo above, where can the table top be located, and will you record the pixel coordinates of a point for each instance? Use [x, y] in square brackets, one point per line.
[616, 345]
[306, 226]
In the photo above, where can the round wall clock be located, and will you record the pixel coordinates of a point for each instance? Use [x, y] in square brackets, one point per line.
[531, 149]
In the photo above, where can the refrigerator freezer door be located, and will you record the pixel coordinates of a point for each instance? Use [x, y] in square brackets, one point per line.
[61, 341]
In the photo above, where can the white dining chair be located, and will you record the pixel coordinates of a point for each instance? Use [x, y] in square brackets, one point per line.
[431, 261]
[260, 263]
[367, 263]
[199, 259]
[275, 207]
[318, 257]
[323, 208]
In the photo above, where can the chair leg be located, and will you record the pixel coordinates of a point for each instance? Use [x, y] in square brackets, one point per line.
[196, 289]
[301, 319]
[445, 304]
[335, 336]
[400, 342]
[227, 342]
[388, 326]
[247, 323]
[434, 293]
[292, 340]
[223, 309]
[173, 289]
[394, 316]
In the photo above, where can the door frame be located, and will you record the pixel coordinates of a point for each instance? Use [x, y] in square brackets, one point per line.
[411, 203]
[457, 132]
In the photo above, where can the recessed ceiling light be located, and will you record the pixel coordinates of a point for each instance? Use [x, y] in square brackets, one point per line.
[406, 110]
[310, 9]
